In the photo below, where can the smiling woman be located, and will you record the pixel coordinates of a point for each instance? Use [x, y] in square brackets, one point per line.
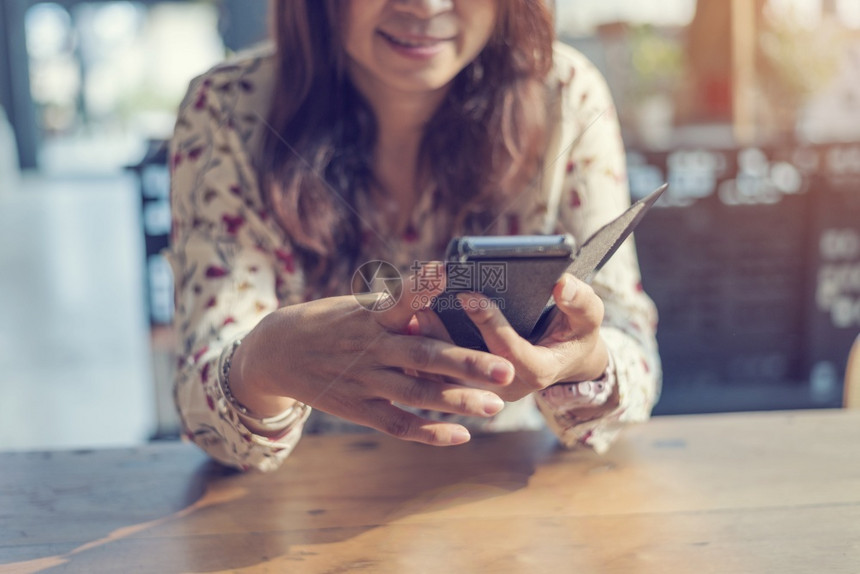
[395, 116]
[408, 49]
[376, 131]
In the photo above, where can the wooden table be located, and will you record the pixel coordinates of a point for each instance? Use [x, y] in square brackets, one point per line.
[746, 493]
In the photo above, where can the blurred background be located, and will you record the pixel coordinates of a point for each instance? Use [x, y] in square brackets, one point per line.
[749, 108]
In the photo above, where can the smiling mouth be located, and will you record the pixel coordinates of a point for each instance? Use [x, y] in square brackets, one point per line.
[413, 42]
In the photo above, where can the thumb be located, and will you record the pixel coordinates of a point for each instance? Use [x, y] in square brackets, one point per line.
[418, 291]
[578, 302]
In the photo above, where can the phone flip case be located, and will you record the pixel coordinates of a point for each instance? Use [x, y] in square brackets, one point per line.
[517, 273]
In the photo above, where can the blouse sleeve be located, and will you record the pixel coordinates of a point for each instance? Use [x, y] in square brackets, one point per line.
[229, 264]
[595, 191]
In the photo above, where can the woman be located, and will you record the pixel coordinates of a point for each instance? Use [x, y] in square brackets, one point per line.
[377, 130]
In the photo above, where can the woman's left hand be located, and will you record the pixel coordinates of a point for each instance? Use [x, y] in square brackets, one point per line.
[570, 351]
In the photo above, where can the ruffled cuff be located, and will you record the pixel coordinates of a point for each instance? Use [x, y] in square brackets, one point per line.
[576, 412]
[593, 413]
[211, 423]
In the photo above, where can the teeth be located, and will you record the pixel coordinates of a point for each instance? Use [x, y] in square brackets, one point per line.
[410, 43]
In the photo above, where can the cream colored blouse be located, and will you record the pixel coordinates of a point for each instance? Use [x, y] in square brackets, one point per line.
[233, 264]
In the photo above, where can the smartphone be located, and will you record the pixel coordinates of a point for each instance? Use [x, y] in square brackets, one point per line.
[515, 273]
[518, 273]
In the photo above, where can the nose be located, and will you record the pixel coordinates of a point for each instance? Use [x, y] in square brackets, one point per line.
[424, 8]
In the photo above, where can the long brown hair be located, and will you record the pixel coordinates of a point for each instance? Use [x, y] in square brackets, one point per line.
[483, 145]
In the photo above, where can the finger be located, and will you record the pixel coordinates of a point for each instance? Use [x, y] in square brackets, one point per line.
[580, 305]
[385, 417]
[438, 396]
[501, 339]
[441, 358]
[417, 292]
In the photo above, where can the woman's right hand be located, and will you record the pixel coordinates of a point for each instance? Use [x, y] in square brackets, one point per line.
[339, 357]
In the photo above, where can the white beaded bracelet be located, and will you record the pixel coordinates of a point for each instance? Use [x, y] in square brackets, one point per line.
[280, 421]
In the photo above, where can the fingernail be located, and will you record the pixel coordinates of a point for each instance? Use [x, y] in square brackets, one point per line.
[460, 436]
[569, 290]
[414, 326]
[492, 404]
[501, 372]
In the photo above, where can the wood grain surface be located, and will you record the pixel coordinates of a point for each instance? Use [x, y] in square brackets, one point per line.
[746, 493]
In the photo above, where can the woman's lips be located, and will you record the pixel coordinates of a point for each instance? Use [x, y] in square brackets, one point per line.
[418, 47]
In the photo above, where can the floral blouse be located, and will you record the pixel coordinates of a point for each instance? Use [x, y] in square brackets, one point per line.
[233, 264]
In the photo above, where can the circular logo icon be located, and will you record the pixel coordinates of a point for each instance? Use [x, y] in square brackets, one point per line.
[377, 285]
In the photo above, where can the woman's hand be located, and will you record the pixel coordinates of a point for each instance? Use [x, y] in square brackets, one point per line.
[335, 355]
[570, 351]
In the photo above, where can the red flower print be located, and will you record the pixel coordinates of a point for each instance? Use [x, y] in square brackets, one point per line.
[228, 321]
[638, 287]
[200, 103]
[645, 366]
[211, 302]
[575, 199]
[195, 153]
[588, 161]
[196, 356]
[177, 159]
[287, 259]
[210, 402]
[235, 189]
[571, 165]
[215, 272]
[204, 373]
[583, 98]
[233, 222]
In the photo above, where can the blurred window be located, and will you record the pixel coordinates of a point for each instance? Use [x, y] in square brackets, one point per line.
[584, 17]
[106, 77]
